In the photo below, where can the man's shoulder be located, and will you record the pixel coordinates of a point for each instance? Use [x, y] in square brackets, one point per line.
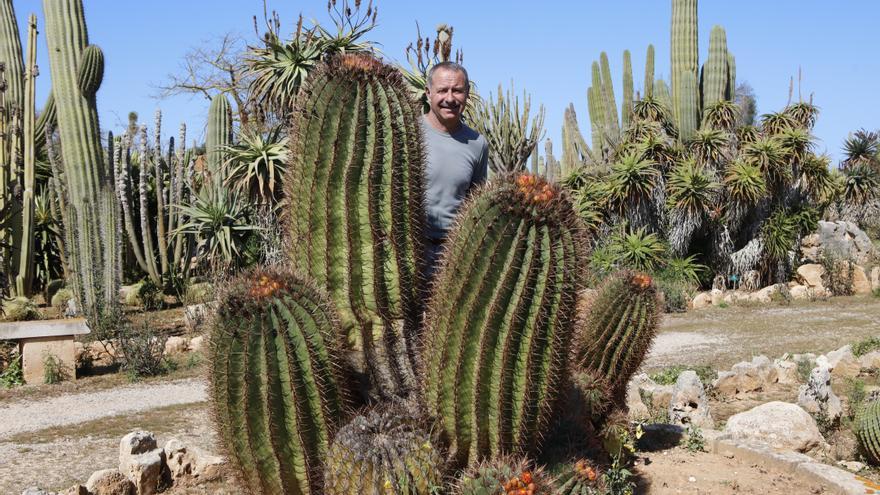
[472, 135]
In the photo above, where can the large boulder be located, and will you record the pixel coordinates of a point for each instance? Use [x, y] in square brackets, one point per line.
[702, 300]
[689, 404]
[840, 239]
[778, 424]
[142, 462]
[817, 398]
[843, 363]
[745, 377]
[861, 284]
[109, 482]
[810, 275]
[176, 345]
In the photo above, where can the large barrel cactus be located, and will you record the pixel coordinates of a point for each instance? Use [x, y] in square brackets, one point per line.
[500, 320]
[385, 452]
[274, 380]
[616, 332]
[504, 476]
[356, 208]
[867, 429]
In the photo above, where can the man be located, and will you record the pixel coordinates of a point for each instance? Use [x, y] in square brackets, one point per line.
[457, 156]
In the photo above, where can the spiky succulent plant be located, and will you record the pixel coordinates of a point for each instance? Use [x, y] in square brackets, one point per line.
[501, 315]
[505, 476]
[580, 478]
[867, 429]
[275, 380]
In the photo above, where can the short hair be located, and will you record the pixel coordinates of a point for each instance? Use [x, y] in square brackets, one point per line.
[449, 66]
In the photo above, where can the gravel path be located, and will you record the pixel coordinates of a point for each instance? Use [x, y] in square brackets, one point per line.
[33, 415]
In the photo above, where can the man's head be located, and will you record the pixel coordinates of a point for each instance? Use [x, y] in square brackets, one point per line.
[447, 92]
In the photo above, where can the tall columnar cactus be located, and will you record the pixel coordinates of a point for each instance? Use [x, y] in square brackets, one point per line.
[649, 73]
[275, 383]
[867, 429]
[504, 476]
[219, 134]
[614, 335]
[146, 211]
[501, 317]
[11, 54]
[714, 80]
[685, 56]
[688, 105]
[24, 278]
[356, 214]
[627, 106]
[731, 77]
[92, 214]
[595, 102]
[610, 104]
[388, 451]
[662, 94]
[11, 102]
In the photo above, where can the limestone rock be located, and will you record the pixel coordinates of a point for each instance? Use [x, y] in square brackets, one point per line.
[207, 467]
[811, 274]
[745, 377]
[779, 424]
[656, 395]
[76, 490]
[36, 491]
[861, 284]
[141, 461]
[839, 239]
[176, 345]
[109, 482]
[875, 278]
[197, 343]
[196, 315]
[702, 300]
[816, 397]
[870, 361]
[843, 363]
[183, 461]
[786, 371]
[717, 296]
[634, 405]
[801, 293]
[689, 404]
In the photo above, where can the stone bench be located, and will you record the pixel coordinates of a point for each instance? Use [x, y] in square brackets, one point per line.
[37, 339]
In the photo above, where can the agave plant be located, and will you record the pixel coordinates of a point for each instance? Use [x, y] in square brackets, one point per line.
[638, 250]
[632, 180]
[48, 237]
[651, 110]
[861, 147]
[861, 185]
[720, 116]
[744, 183]
[797, 144]
[256, 164]
[710, 146]
[221, 220]
[691, 189]
[684, 269]
[767, 154]
[747, 134]
[816, 179]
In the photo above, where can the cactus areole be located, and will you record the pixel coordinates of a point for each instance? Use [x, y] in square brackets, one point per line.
[501, 315]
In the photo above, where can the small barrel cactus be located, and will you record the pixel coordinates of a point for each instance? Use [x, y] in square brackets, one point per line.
[868, 431]
[500, 320]
[505, 476]
[387, 452]
[275, 381]
[616, 332]
[581, 478]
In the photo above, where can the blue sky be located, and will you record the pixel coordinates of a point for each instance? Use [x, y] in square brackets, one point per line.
[545, 47]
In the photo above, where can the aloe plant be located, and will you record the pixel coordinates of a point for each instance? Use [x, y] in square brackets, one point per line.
[502, 310]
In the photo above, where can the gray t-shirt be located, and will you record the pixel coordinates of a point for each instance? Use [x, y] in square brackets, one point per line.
[455, 163]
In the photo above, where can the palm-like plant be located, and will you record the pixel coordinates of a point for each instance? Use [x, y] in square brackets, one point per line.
[779, 234]
[710, 146]
[861, 147]
[691, 189]
[803, 114]
[638, 250]
[767, 154]
[747, 134]
[47, 237]
[256, 164]
[221, 222]
[861, 185]
[775, 122]
[632, 181]
[651, 110]
[684, 269]
[720, 116]
[744, 183]
[796, 143]
[816, 180]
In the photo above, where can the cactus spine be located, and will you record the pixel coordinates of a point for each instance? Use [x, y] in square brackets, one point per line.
[24, 278]
[685, 58]
[89, 184]
[649, 73]
[616, 333]
[356, 212]
[627, 108]
[501, 316]
[714, 81]
[387, 451]
[504, 476]
[274, 380]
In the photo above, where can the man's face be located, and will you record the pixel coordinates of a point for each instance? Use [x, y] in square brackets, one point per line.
[447, 95]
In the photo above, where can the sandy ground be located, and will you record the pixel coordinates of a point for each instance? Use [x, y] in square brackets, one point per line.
[56, 440]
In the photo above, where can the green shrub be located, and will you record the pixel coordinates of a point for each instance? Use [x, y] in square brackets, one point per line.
[865, 346]
[804, 367]
[21, 309]
[669, 375]
[11, 374]
[142, 351]
[54, 370]
[694, 442]
[150, 296]
[838, 276]
[676, 295]
[198, 293]
[618, 479]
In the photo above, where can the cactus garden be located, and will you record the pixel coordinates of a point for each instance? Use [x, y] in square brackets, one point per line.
[266, 288]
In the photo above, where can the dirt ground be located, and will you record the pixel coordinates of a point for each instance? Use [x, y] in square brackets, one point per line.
[721, 337]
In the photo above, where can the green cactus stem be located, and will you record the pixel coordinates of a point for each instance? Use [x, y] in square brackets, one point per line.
[614, 335]
[500, 319]
[355, 217]
[627, 108]
[611, 119]
[688, 107]
[685, 58]
[275, 383]
[219, 134]
[388, 451]
[714, 83]
[25, 277]
[649, 73]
